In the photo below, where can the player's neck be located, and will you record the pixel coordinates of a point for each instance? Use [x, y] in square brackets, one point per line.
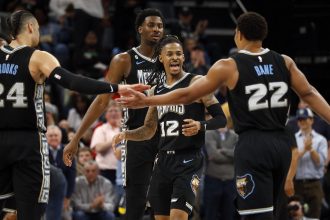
[170, 79]
[253, 47]
[146, 50]
[19, 41]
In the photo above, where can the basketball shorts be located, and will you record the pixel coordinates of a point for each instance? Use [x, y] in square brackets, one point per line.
[175, 181]
[262, 160]
[24, 166]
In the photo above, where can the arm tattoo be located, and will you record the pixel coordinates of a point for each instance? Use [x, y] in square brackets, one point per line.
[148, 130]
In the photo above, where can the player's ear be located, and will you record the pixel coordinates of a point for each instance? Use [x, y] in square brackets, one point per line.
[140, 29]
[160, 58]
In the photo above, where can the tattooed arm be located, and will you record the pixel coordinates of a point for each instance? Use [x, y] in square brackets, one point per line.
[145, 132]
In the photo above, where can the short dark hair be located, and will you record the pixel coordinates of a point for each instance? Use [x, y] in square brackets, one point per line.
[141, 16]
[12, 25]
[253, 26]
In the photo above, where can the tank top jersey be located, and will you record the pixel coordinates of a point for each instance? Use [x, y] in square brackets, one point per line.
[21, 98]
[141, 67]
[170, 119]
[261, 97]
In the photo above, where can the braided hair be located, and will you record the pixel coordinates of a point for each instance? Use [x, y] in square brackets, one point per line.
[158, 75]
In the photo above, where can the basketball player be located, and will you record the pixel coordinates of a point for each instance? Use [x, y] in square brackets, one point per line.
[131, 66]
[258, 81]
[24, 165]
[177, 171]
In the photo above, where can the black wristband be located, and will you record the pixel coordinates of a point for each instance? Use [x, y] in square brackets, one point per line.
[203, 125]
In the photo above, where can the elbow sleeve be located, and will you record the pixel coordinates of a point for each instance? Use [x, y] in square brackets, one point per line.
[81, 84]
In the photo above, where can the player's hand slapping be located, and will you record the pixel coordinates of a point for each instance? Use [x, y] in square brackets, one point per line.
[124, 89]
[191, 127]
[69, 152]
[132, 99]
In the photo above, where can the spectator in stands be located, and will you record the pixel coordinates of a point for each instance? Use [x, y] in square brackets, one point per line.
[84, 155]
[94, 196]
[219, 183]
[102, 140]
[197, 64]
[50, 39]
[312, 149]
[295, 208]
[59, 199]
[88, 59]
[184, 27]
[88, 16]
[79, 107]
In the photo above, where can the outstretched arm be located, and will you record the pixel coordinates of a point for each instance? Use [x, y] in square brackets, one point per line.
[118, 67]
[46, 64]
[219, 74]
[306, 91]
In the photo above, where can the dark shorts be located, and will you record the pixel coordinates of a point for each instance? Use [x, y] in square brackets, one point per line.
[137, 169]
[175, 182]
[24, 166]
[262, 160]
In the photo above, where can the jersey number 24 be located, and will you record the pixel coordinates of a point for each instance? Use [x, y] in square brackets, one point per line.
[15, 95]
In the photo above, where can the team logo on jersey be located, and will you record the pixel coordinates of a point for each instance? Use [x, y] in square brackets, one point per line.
[245, 185]
[162, 110]
[194, 183]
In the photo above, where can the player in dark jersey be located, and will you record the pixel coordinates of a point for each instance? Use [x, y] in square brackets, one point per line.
[177, 170]
[24, 161]
[131, 66]
[258, 81]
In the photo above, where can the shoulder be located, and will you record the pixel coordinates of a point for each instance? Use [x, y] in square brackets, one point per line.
[195, 78]
[121, 58]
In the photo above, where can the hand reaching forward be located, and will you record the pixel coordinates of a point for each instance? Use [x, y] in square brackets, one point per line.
[123, 89]
[132, 99]
[69, 152]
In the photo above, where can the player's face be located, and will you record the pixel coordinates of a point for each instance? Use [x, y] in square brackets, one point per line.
[172, 58]
[151, 29]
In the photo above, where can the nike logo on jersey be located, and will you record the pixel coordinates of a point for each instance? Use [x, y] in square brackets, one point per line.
[159, 90]
[187, 161]
[111, 89]
[139, 62]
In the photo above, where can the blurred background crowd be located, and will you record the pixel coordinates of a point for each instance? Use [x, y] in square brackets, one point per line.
[84, 35]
